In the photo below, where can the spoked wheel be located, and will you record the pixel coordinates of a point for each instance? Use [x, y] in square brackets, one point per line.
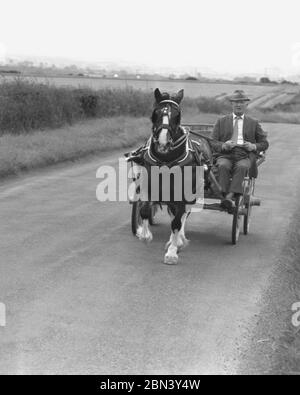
[136, 219]
[248, 206]
[236, 220]
[247, 217]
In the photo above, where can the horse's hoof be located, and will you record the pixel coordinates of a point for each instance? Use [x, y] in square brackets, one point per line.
[171, 260]
[145, 237]
[146, 240]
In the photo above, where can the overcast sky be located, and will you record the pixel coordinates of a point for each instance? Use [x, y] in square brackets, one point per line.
[227, 36]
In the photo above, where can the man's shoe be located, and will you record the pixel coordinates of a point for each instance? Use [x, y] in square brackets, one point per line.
[227, 204]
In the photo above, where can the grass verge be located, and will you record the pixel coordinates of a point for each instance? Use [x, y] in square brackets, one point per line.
[40, 149]
[275, 344]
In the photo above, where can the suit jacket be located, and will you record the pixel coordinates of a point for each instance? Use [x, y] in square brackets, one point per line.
[252, 132]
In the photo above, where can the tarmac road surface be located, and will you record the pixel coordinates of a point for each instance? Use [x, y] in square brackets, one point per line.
[83, 295]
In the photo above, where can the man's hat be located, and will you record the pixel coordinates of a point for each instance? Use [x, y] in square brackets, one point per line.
[239, 95]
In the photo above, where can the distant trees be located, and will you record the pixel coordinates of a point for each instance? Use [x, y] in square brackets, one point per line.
[10, 72]
[190, 78]
[265, 80]
[288, 82]
[245, 80]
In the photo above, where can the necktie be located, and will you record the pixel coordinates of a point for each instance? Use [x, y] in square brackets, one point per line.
[235, 136]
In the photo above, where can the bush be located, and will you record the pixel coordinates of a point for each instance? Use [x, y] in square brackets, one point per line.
[88, 103]
[26, 105]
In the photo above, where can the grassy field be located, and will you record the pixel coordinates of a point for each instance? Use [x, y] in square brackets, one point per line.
[192, 89]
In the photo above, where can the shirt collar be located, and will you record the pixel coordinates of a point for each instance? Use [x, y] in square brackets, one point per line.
[234, 116]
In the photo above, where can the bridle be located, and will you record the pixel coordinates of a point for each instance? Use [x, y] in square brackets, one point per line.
[166, 114]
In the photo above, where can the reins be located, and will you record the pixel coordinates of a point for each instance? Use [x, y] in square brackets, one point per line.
[202, 135]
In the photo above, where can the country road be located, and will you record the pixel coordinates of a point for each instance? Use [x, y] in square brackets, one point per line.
[84, 296]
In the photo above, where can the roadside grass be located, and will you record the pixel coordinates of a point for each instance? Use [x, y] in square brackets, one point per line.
[40, 149]
[275, 346]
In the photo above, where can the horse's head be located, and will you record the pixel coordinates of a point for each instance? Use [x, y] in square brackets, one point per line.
[166, 118]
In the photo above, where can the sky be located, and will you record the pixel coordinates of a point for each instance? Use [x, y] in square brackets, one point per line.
[228, 36]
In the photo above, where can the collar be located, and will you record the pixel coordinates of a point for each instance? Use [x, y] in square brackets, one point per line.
[235, 116]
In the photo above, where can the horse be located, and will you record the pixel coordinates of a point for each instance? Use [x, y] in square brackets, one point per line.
[170, 145]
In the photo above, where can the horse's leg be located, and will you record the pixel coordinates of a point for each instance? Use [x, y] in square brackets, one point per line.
[143, 231]
[182, 240]
[171, 257]
[172, 213]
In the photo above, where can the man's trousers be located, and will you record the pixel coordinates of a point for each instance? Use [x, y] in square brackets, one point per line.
[235, 169]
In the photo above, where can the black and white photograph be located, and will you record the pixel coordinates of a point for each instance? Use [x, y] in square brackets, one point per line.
[149, 190]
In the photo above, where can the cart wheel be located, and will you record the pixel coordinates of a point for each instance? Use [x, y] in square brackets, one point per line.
[136, 219]
[247, 218]
[248, 196]
[236, 221]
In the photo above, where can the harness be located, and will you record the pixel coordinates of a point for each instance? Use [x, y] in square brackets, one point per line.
[192, 155]
[151, 159]
[165, 113]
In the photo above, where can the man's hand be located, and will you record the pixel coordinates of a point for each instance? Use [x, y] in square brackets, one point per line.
[249, 146]
[228, 145]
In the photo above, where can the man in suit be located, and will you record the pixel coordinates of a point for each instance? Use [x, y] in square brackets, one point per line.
[238, 139]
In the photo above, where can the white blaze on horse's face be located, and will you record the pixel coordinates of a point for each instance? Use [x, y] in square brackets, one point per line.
[163, 135]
